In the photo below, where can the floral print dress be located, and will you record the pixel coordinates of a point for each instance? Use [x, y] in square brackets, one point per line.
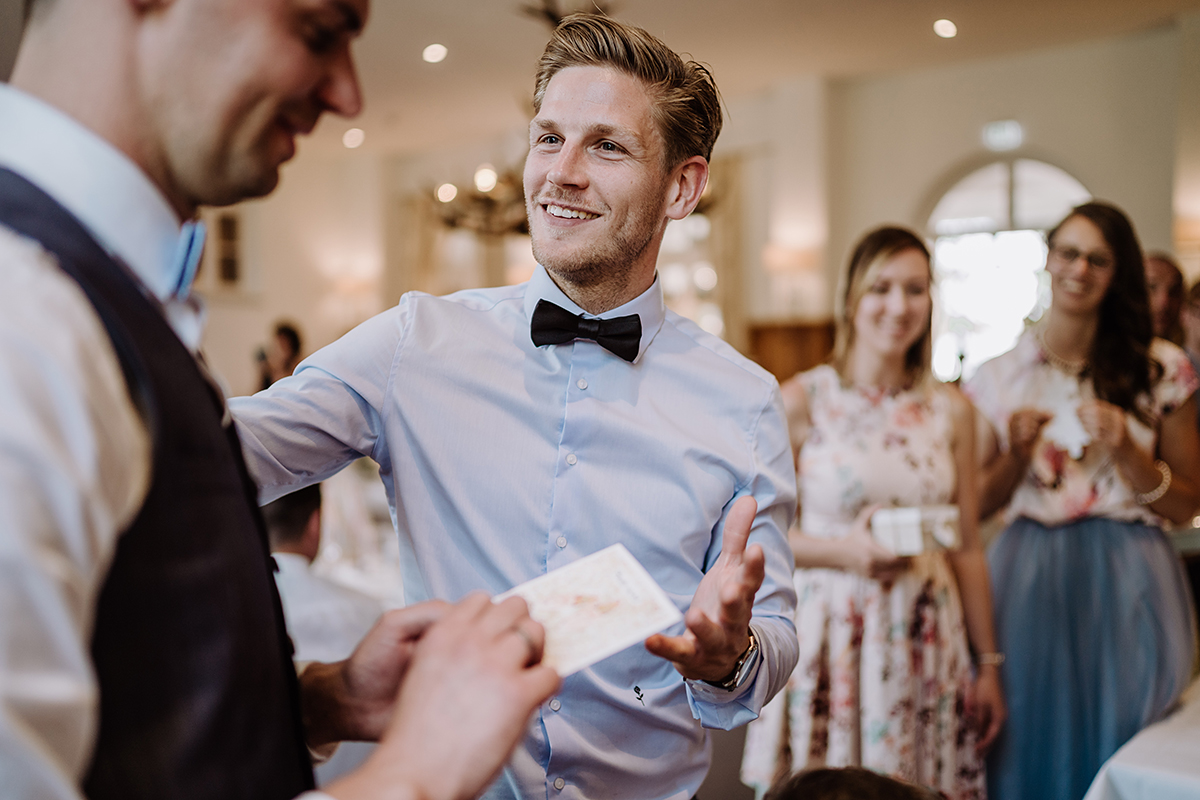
[884, 673]
[1059, 488]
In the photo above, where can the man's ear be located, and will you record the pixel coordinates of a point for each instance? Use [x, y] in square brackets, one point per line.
[312, 533]
[687, 184]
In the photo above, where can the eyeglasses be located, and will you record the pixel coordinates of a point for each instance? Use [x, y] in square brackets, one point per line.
[1068, 255]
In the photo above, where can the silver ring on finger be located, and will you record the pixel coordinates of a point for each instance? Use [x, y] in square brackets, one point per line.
[529, 643]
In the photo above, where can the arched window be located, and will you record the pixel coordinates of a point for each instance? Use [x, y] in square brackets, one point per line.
[989, 258]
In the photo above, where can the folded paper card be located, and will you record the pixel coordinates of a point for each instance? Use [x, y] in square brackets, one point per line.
[913, 530]
[595, 607]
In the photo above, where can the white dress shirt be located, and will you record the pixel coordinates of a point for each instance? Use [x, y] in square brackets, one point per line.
[74, 454]
[503, 460]
[326, 621]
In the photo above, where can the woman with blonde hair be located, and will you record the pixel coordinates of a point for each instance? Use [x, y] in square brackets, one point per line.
[885, 678]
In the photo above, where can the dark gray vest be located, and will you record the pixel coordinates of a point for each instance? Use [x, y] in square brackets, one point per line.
[198, 697]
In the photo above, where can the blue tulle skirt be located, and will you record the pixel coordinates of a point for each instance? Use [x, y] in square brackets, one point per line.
[1096, 620]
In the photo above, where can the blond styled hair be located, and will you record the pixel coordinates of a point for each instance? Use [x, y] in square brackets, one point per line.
[868, 258]
[686, 104]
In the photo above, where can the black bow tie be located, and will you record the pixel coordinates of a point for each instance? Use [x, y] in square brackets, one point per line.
[553, 324]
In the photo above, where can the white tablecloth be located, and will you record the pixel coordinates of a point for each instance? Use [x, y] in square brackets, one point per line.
[1160, 763]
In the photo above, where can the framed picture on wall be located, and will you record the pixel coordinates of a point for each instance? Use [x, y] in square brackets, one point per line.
[224, 269]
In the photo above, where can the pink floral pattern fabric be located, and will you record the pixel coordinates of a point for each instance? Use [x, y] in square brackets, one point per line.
[884, 673]
[1057, 488]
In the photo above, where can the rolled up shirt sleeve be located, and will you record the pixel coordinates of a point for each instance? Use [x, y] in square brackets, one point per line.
[771, 480]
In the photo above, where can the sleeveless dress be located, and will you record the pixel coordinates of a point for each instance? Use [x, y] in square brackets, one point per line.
[883, 675]
[1092, 606]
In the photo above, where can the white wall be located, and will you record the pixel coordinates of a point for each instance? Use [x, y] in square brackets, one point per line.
[312, 252]
[780, 139]
[1104, 111]
[1187, 159]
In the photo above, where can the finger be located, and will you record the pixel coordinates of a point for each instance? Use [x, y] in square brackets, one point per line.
[865, 515]
[995, 725]
[737, 527]
[532, 645]
[495, 619]
[737, 596]
[539, 683]
[707, 635]
[535, 638]
[677, 649]
[412, 621]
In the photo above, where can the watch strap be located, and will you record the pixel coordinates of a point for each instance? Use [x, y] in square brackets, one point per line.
[742, 669]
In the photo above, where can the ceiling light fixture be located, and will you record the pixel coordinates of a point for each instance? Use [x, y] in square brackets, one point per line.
[485, 178]
[447, 192]
[945, 29]
[434, 53]
[353, 138]
[1006, 134]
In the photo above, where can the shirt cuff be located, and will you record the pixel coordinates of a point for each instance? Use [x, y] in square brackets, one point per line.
[707, 693]
[726, 709]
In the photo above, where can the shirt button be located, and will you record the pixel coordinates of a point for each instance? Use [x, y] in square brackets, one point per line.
[571, 459]
[555, 705]
[561, 541]
[559, 783]
[581, 383]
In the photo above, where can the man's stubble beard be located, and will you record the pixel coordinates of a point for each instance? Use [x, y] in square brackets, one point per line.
[608, 263]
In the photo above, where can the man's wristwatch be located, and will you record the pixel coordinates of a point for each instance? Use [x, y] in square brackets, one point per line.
[742, 669]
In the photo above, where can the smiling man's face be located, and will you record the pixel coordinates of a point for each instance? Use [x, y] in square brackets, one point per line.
[596, 188]
[236, 81]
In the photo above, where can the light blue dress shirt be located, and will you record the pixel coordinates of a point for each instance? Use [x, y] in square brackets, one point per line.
[113, 199]
[503, 460]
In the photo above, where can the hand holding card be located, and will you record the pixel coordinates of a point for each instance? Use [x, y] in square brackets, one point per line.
[595, 607]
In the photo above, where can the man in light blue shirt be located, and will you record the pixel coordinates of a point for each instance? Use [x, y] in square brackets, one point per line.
[521, 428]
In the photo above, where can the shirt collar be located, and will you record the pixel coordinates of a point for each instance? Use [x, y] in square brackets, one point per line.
[97, 183]
[290, 562]
[648, 305]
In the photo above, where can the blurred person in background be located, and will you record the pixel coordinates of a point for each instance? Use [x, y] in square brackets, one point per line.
[847, 783]
[325, 620]
[1189, 321]
[1164, 285]
[1090, 440]
[885, 678]
[280, 357]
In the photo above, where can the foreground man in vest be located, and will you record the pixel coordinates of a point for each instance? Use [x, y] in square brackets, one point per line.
[142, 651]
[518, 431]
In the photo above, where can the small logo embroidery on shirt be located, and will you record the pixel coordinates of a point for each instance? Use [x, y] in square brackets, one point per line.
[637, 692]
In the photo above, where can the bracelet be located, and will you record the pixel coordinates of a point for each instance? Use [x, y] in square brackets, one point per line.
[1146, 498]
[990, 659]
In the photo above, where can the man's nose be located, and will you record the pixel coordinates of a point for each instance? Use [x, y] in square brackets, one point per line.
[341, 92]
[568, 168]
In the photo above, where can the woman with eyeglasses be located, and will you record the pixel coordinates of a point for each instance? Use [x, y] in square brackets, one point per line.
[1093, 447]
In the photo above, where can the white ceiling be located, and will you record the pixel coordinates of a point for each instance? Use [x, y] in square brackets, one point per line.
[483, 86]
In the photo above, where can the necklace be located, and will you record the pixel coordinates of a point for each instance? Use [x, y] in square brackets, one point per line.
[1058, 362]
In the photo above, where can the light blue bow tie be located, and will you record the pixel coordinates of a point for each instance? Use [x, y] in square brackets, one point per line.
[187, 258]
